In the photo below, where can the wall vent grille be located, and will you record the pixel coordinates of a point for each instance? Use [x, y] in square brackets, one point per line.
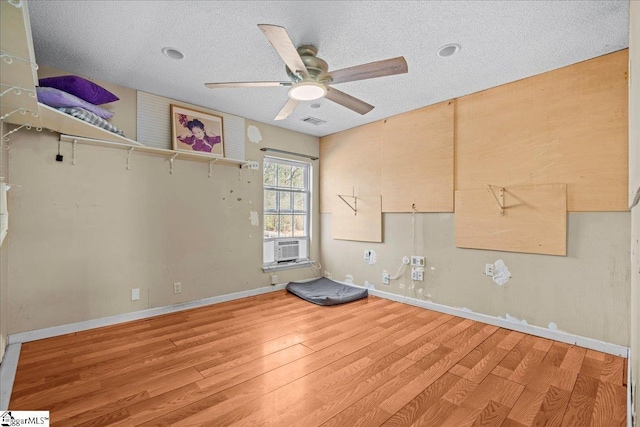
[313, 121]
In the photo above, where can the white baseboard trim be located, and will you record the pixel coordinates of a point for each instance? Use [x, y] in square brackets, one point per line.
[54, 331]
[593, 344]
[590, 343]
[8, 369]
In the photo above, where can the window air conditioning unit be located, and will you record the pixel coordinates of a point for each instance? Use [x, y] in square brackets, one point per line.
[287, 250]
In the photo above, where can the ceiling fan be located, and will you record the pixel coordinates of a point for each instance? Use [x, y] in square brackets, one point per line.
[310, 78]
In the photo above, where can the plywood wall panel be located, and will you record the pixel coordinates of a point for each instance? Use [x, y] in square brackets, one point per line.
[364, 226]
[565, 126]
[350, 162]
[417, 160]
[534, 220]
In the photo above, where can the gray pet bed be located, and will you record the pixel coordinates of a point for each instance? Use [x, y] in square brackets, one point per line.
[324, 291]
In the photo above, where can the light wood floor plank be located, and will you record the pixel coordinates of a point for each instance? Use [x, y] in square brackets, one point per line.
[274, 359]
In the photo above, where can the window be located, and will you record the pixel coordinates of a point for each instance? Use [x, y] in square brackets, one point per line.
[286, 204]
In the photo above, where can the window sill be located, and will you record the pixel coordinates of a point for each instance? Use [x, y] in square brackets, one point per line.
[286, 265]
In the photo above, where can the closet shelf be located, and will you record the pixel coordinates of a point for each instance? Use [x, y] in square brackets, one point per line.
[137, 147]
[66, 124]
[18, 70]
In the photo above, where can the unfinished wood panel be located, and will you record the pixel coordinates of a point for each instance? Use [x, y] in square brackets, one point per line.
[567, 125]
[534, 220]
[364, 225]
[417, 160]
[350, 161]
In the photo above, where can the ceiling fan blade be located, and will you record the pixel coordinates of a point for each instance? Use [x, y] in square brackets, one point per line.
[282, 43]
[348, 101]
[246, 84]
[288, 108]
[387, 67]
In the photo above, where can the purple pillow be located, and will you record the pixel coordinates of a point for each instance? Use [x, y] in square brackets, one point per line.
[57, 98]
[82, 88]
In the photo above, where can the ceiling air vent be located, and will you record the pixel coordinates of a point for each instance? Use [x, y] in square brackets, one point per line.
[313, 121]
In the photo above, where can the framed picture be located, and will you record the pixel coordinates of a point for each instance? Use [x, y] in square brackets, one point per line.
[196, 131]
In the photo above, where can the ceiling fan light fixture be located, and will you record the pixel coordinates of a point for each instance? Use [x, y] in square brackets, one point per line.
[307, 91]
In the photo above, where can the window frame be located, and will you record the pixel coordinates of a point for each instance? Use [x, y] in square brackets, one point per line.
[292, 191]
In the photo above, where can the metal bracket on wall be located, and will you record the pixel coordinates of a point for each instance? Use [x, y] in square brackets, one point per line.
[17, 90]
[15, 3]
[499, 197]
[354, 208]
[173, 157]
[73, 152]
[26, 126]
[129, 151]
[20, 110]
[8, 59]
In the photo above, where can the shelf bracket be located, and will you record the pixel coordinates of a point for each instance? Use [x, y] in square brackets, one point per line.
[17, 90]
[499, 197]
[73, 152]
[20, 110]
[15, 3]
[173, 157]
[5, 136]
[129, 151]
[354, 208]
[8, 59]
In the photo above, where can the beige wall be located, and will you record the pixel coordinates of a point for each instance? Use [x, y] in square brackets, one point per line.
[4, 300]
[634, 188]
[83, 236]
[584, 293]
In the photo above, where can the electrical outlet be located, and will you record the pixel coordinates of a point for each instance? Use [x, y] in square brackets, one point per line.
[135, 294]
[488, 269]
[417, 261]
[274, 279]
[417, 274]
[177, 288]
[253, 165]
[385, 278]
[367, 255]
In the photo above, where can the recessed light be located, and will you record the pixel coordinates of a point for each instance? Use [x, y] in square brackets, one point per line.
[448, 50]
[172, 53]
[314, 105]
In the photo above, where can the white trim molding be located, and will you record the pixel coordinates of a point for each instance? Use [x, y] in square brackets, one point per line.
[54, 331]
[8, 369]
[566, 337]
[590, 343]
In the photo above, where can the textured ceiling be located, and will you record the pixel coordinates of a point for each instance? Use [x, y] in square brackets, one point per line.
[502, 41]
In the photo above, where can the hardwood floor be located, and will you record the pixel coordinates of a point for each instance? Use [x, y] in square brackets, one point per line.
[276, 360]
